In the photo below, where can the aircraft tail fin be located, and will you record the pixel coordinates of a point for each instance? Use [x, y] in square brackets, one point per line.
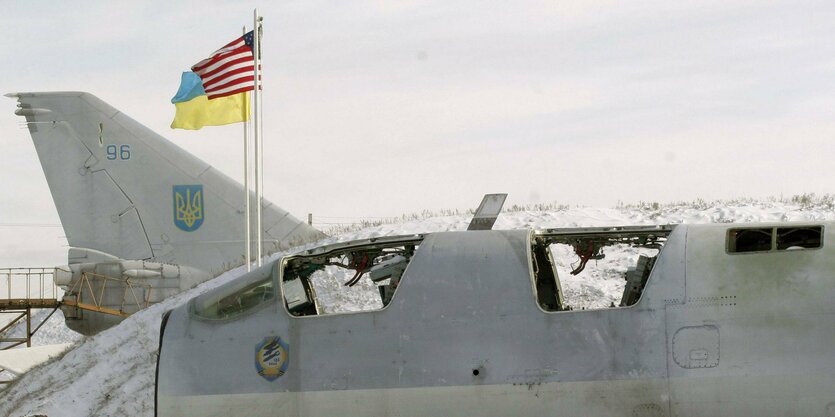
[126, 191]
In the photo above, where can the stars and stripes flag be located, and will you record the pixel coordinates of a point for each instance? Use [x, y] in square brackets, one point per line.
[229, 70]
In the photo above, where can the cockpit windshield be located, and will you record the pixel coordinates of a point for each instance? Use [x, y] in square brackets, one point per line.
[229, 301]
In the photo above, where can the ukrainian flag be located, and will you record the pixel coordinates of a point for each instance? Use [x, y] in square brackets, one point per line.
[195, 110]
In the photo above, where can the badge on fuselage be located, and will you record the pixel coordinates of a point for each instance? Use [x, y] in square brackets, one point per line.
[272, 358]
[188, 207]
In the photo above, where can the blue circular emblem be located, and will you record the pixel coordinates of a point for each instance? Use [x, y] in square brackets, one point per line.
[272, 358]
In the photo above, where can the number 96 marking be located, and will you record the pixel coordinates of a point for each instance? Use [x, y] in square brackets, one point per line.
[121, 152]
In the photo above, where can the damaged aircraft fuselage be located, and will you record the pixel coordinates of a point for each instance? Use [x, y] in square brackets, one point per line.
[727, 320]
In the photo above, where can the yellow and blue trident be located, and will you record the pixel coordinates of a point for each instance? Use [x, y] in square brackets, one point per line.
[188, 207]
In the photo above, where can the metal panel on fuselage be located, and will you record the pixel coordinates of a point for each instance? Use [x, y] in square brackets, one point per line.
[755, 335]
[465, 303]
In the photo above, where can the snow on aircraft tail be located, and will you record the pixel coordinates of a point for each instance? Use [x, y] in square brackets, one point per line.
[124, 192]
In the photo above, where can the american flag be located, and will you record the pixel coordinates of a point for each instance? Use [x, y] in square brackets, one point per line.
[229, 70]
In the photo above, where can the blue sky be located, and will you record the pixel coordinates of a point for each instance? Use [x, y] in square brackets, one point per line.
[379, 108]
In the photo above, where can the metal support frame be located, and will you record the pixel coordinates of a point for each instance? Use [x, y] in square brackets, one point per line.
[21, 291]
[88, 280]
[21, 314]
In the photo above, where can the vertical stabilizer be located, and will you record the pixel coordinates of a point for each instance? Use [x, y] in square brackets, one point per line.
[123, 190]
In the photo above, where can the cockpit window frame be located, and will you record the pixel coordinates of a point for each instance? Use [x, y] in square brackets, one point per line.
[658, 231]
[416, 239]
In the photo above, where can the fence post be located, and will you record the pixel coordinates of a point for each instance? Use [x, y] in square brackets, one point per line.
[28, 327]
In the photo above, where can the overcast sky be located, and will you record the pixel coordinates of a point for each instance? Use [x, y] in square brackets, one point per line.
[383, 108]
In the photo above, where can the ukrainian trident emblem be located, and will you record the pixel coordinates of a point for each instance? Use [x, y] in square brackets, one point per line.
[188, 207]
[271, 358]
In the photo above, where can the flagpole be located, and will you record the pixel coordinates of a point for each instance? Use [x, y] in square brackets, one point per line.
[256, 33]
[260, 172]
[248, 210]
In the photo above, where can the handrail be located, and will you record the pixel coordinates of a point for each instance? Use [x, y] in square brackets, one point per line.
[39, 284]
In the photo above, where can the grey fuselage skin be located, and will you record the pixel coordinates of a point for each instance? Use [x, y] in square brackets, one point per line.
[713, 334]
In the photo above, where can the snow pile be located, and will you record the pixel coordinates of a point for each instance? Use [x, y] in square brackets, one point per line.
[112, 374]
[52, 332]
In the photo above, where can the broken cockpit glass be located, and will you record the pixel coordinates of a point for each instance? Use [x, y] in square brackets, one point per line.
[346, 277]
[594, 268]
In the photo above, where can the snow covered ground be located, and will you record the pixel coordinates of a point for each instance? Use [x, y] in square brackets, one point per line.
[112, 373]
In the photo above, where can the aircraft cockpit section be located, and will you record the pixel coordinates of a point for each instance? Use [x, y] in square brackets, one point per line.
[382, 260]
[477, 322]
[588, 244]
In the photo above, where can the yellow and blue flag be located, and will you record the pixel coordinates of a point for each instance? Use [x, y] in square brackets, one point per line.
[195, 109]
[216, 90]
